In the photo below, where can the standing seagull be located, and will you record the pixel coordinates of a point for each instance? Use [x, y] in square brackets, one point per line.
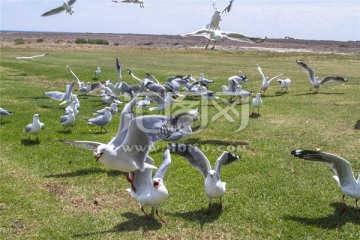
[148, 190]
[214, 187]
[66, 6]
[257, 103]
[97, 72]
[265, 81]
[102, 120]
[32, 57]
[34, 127]
[68, 119]
[344, 174]
[315, 80]
[284, 84]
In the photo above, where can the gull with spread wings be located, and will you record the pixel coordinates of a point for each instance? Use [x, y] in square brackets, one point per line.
[315, 80]
[66, 6]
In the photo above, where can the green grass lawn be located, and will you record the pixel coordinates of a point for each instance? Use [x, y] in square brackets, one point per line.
[52, 190]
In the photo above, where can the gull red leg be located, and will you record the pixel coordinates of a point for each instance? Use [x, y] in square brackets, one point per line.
[157, 213]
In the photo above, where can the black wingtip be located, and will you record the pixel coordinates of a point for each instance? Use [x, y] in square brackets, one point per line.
[233, 156]
[306, 154]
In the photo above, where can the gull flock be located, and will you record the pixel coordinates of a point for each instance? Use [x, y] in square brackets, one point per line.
[129, 150]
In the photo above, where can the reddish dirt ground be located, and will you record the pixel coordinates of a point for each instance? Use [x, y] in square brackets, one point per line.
[48, 40]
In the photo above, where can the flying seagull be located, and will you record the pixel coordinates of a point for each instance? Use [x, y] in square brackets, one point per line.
[66, 6]
[32, 57]
[141, 3]
[216, 17]
[344, 174]
[214, 187]
[148, 190]
[34, 127]
[315, 80]
[218, 35]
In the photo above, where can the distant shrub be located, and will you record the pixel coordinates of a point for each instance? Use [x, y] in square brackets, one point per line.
[98, 41]
[19, 41]
[80, 41]
[91, 41]
[116, 44]
[40, 40]
[59, 41]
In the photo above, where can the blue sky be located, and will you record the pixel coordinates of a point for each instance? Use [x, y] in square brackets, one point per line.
[303, 19]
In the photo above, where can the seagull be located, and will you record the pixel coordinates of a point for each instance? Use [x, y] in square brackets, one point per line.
[151, 83]
[72, 107]
[127, 151]
[66, 6]
[240, 78]
[102, 120]
[150, 191]
[234, 89]
[216, 17]
[59, 96]
[344, 174]
[144, 103]
[257, 103]
[122, 87]
[141, 3]
[32, 57]
[284, 83]
[180, 136]
[315, 80]
[214, 187]
[34, 127]
[218, 35]
[4, 112]
[68, 119]
[208, 95]
[85, 89]
[113, 110]
[212, 30]
[109, 99]
[265, 81]
[162, 104]
[97, 72]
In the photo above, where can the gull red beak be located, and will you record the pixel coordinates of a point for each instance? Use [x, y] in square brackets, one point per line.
[98, 155]
[156, 184]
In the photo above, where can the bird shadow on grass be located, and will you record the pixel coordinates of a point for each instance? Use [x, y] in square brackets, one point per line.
[93, 132]
[314, 93]
[133, 222]
[201, 216]
[65, 131]
[280, 93]
[254, 115]
[29, 142]
[357, 125]
[84, 172]
[333, 221]
[197, 141]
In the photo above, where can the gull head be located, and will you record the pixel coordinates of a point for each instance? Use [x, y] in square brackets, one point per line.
[212, 173]
[157, 182]
[36, 116]
[100, 151]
